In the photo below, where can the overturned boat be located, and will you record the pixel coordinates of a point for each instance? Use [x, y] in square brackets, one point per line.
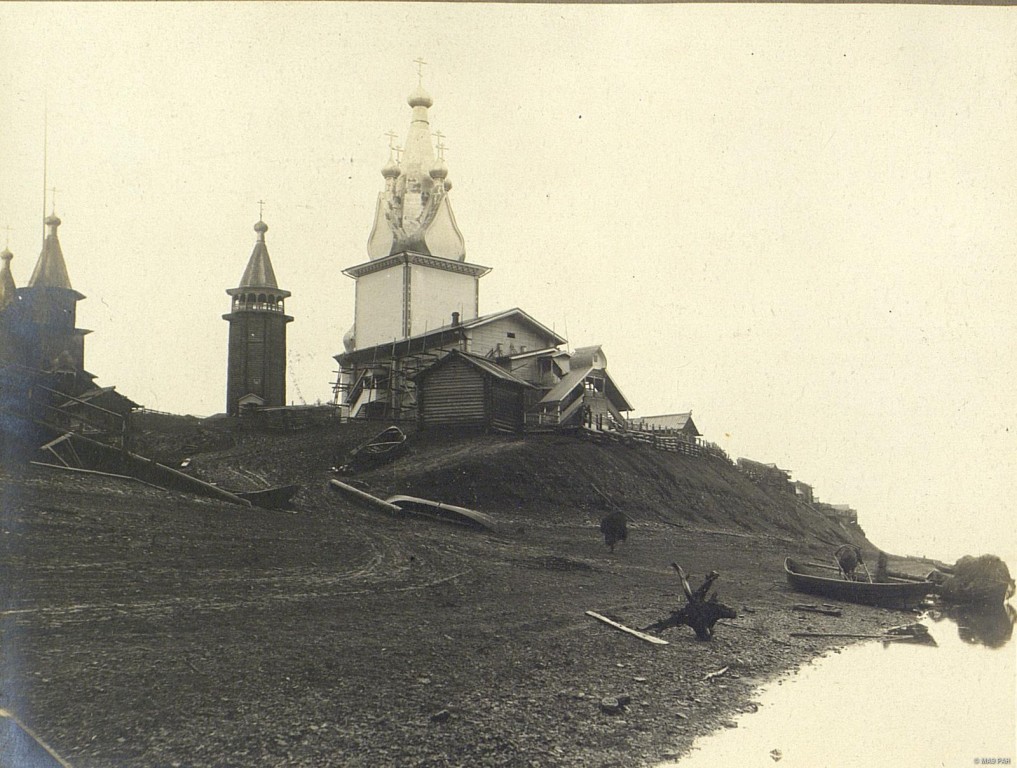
[383, 447]
[447, 513]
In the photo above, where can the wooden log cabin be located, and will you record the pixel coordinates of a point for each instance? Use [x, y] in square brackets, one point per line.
[463, 390]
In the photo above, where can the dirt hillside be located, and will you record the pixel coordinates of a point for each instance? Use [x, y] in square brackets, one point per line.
[142, 627]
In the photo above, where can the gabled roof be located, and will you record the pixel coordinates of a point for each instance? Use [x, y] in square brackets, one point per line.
[582, 357]
[441, 336]
[676, 421]
[521, 315]
[481, 363]
[576, 377]
[109, 395]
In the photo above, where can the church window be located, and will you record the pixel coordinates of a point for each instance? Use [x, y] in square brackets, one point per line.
[510, 335]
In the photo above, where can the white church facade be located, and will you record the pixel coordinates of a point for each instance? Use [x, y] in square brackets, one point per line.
[417, 298]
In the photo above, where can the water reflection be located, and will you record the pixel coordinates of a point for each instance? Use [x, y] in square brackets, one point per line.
[895, 704]
[992, 627]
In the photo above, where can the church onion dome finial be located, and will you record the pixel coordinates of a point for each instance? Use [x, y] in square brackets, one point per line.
[419, 98]
[261, 228]
[439, 170]
[52, 221]
[391, 170]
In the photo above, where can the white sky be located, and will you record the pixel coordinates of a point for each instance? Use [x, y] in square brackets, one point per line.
[796, 220]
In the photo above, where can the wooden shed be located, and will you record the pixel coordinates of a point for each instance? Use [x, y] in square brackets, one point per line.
[463, 390]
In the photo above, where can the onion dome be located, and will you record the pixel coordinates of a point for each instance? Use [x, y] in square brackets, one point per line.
[261, 228]
[448, 184]
[391, 170]
[439, 170]
[419, 98]
[53, 220]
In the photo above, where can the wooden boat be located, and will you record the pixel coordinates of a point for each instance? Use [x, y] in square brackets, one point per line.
[896, 591]
[384, 446]
[271, 498]
[448, 513]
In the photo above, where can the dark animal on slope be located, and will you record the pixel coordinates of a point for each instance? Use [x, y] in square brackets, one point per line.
[614, 527]
[848, 557]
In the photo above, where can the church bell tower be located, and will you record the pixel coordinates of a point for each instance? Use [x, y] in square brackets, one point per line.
[39, 322]
[256, 367]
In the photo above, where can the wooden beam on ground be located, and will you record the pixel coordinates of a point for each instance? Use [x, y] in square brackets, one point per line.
[96, 472]
[364, 496]
[22, 746]
[818, 609]
[836, 634]
[629, 630]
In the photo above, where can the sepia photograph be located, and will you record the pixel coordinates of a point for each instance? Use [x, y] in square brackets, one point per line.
[519, 385]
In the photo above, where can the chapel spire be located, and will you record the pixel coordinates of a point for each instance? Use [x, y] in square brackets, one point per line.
[51, 269]
[259, 272]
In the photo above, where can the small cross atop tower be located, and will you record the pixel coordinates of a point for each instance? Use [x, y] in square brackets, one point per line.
[8, 230]
[53, 190]
[261, 210]
[420, 69]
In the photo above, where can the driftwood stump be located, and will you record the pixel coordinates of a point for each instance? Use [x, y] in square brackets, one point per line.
[698, 613]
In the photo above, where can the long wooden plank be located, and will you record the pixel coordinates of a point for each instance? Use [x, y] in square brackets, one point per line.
[623, 628]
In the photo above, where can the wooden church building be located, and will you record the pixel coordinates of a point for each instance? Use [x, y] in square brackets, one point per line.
[419, 347]
[45, 390]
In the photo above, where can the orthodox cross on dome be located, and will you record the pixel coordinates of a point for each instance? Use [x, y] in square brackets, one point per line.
[440, 144]
[392, 136]
[261, 210]
[420, 69]
[52, 200]
[8, 230]
[399, 153]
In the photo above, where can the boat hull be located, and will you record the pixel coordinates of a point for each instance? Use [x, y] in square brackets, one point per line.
[878, 593]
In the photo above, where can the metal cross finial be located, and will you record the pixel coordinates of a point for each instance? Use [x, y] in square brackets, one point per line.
[53, 200]
[261, 210]
[441, 144]
[399, 153]
[8, 243]
[391, 138]
[420, 69]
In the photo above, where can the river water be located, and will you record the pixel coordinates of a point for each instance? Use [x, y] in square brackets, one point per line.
[898, 705]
